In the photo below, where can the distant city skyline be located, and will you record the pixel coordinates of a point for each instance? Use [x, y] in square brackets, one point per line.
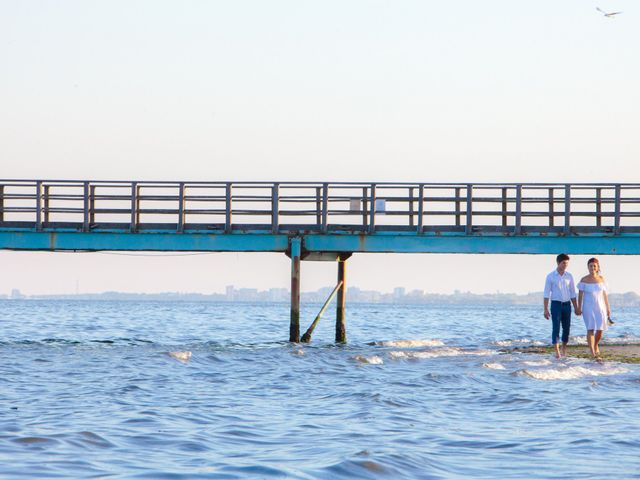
[354, 294]
[64, 273]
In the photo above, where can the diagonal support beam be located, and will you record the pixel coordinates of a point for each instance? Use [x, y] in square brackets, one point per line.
[306, 338]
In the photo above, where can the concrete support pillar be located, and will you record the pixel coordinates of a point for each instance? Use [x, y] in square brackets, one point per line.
[341, 331]
[294, 327]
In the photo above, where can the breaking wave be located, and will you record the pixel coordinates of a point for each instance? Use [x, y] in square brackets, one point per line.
[572, 373]
[410, 343]
[439, 352]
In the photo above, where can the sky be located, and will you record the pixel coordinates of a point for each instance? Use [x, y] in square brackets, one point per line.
[457, 91]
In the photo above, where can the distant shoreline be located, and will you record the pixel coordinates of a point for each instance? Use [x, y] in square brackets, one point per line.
[354, 295]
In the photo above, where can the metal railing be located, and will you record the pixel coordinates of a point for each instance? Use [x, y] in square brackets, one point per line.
[308, 207]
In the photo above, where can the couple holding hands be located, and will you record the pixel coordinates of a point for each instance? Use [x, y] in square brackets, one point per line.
[592, 303]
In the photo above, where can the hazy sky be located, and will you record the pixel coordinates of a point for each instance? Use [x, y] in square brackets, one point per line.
[327, 90]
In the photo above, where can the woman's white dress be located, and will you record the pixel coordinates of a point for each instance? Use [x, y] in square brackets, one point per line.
[594, 310]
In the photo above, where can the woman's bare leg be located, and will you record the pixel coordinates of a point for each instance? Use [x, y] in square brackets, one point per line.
[597, 339]
[590, 342]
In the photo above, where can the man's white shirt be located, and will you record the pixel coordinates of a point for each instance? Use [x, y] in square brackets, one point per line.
[559, 288]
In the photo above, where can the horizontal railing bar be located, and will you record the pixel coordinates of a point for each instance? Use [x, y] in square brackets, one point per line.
[311, 227]
[385, 184]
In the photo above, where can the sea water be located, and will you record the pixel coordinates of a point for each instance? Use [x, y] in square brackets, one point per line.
[106, 389]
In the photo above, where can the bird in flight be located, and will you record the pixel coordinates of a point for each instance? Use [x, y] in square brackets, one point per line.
[608, 14]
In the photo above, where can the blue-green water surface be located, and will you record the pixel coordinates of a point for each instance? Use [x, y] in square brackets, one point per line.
[100, 389]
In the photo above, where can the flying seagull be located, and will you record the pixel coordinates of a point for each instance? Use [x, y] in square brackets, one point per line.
[608, 14]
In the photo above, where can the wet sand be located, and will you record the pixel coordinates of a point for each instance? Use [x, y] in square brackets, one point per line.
[625, 353]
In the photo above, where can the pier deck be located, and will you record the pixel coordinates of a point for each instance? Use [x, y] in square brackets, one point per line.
[327, 217]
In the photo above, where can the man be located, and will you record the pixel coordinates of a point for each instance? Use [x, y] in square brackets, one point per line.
[560, 289]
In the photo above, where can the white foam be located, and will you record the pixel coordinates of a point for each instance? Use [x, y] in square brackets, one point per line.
[537, 363]
[572, 373]
[439, 352]
[180, 356]
[493, 366]
[411, 343]
[621, 340]
[626, 340]
[511, 342]
[372, 360]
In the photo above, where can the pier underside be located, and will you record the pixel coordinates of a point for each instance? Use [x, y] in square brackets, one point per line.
[384, 242]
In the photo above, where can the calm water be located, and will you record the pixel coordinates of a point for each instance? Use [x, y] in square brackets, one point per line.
[106, 390]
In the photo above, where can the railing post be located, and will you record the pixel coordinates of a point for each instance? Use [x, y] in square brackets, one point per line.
[1, 203]
[181, 207]
[86, 204]
[372, 209]
[618, 210]
[325, 207]
[518, 222]
[294, 325]
[457, 204]
[411, 223]
[365, 209]
[567, 209]
[598, 207]
[551, 207]
[138, 202]
[46, 204]
[134, 207]
[275, 208]
[92, 206]
[504, 206]
[39, 206]
[469, 228]
[421, 209]
[319, 208]
[228, 208]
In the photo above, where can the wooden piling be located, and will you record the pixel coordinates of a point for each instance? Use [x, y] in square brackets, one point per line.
[294, 326]
[341, 331]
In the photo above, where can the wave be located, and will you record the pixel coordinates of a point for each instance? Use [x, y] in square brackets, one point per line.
[626, 340]
[537, 363]
[372, 360]
[183, 357]
[409, 343]
[607, 340]
[64, 342]
[520, 341]
[439, 352]
[493, 366]
[571, 373]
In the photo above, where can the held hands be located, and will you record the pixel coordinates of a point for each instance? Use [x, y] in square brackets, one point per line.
[578, 311]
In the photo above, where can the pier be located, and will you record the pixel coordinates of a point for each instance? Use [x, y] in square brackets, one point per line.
[319, 221]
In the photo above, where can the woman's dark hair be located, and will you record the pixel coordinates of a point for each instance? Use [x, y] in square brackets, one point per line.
[562, 257]
[594, 260]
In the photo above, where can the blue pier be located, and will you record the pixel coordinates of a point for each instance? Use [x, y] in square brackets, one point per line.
[319, 221]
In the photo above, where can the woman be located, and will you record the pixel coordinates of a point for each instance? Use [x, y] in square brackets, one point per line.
[593, 304]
